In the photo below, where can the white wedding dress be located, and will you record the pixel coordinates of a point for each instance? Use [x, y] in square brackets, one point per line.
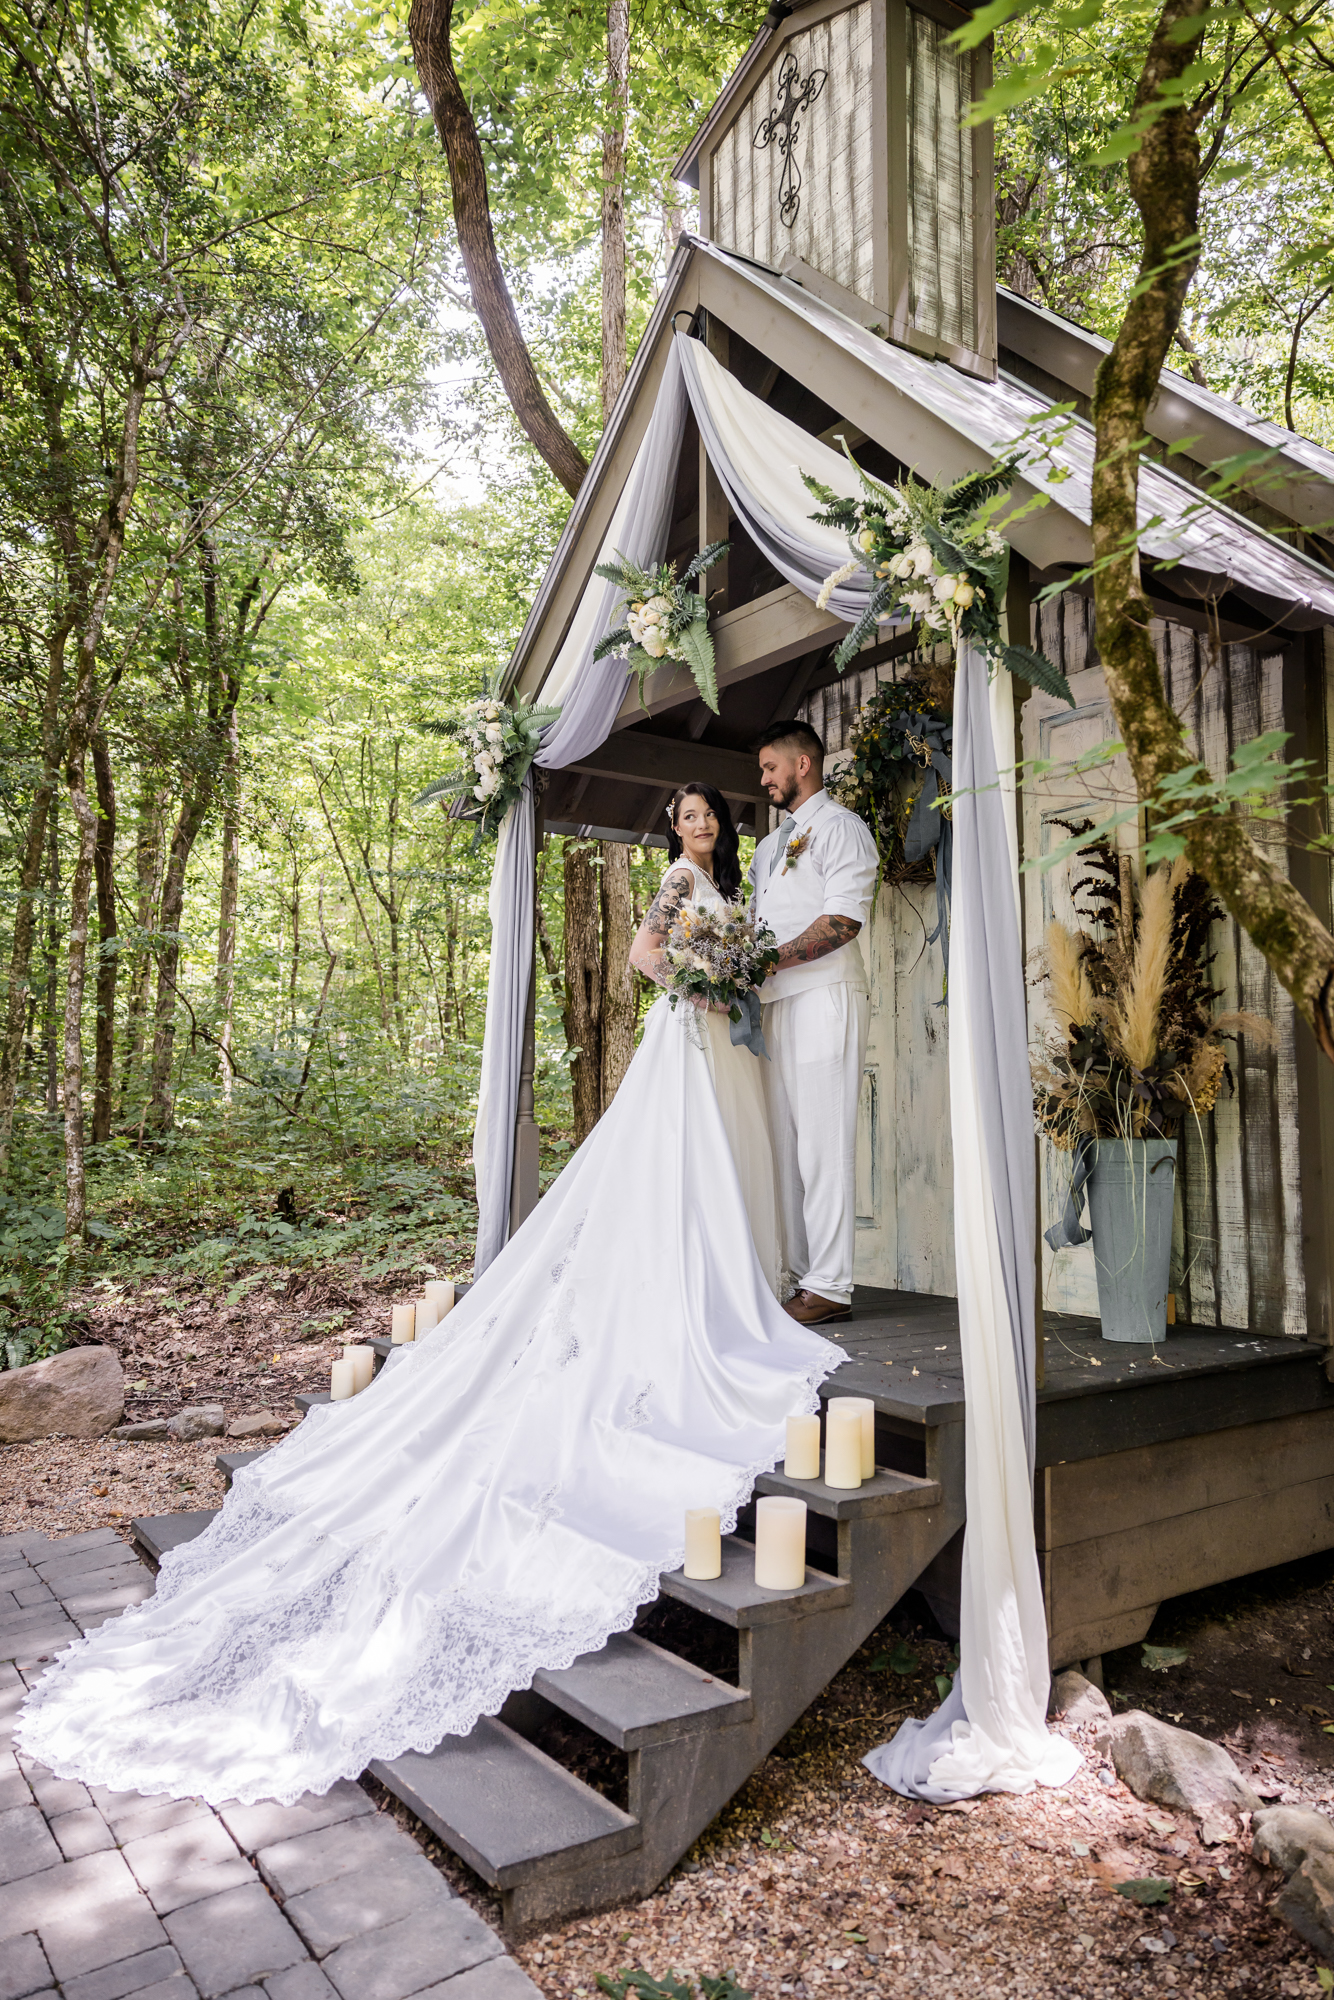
[502, 1498]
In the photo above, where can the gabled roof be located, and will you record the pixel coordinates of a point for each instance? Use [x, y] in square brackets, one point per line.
[1297, 475]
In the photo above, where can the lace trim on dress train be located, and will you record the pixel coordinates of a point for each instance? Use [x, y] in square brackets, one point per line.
[474, 1651]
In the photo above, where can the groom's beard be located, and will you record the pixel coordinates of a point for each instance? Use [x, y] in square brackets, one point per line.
[786, 797]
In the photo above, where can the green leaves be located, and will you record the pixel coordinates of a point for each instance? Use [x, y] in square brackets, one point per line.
[1038, 671]
[1159, 1658]
[695, 647]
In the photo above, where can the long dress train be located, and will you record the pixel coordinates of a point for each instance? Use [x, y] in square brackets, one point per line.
[502, 1498]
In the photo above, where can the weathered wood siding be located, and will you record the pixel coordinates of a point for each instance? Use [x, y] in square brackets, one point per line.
[1238, 1236]
[834, 227]
[940, 184]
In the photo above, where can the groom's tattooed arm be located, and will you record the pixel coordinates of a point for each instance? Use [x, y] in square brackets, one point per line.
[826, 934]
[646, 953]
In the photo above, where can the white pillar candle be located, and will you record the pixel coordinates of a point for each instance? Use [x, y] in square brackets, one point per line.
[427, 1317]
[442, 1291]
[842, 1445]
[342, 1381]
[402, 1324]
[865, 1409]
[780, 1542]
[803, 1448]
[363, 1366]
[704, 1543]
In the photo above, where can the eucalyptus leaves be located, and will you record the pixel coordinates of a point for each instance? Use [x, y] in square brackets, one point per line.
[500, 740]
[664, 619]
[933, 558]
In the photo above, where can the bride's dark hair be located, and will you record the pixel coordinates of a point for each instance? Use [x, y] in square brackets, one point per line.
[726, 860]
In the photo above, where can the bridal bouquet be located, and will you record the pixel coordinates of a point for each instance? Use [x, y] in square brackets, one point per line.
[664, 619]
[721, 956]
[932, 555]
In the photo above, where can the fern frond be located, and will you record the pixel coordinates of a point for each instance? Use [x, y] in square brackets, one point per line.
[705, 560]
[1038, 671]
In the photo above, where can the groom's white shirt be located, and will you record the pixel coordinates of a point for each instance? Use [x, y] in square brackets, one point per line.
[834, 876]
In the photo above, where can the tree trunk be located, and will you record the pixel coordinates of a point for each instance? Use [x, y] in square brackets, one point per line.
[229, 890]
[108, 962]
[429, 34]
[161, 1100]
[52, 1098]
[583, 985]
[620, 987]
[147, 873]
[1164, 174]
[20, 952]
[76, 966]
[613, 203]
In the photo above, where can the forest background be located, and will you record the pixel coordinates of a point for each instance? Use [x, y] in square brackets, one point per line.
[267, 516]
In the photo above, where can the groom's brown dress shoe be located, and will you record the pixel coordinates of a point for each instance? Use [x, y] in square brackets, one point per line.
[812, 1310]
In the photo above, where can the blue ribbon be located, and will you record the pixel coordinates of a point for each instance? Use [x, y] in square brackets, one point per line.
[1069, 1232]
[747, 1033]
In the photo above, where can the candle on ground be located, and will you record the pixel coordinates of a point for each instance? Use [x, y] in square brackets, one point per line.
[865, 1409]
[803, 1448]
[842, 1445]
[704, 1543]
[402, 1324]
[342, 1381]
[780, 1542]
[442, 1291]
[428, 1316]
[363, 1366]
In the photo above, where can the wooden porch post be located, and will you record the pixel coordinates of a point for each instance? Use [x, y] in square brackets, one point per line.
[1018, 629]
[523, 1184]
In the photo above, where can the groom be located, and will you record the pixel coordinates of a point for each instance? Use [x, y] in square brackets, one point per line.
[813, 882]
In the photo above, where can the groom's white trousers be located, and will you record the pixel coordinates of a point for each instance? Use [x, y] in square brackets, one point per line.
[817, 1047]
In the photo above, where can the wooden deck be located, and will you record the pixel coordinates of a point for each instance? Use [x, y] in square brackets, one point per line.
[1158, 1471]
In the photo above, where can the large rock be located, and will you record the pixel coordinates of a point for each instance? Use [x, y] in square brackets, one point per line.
[1285, 1836]
[1178, 1769]
[258, 1423]
[201, 1420]
[1306, 1904]
[80, 1394]
[144, 1431]
[1078, 1702]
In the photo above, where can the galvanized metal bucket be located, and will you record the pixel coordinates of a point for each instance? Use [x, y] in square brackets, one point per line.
[1130, 1209]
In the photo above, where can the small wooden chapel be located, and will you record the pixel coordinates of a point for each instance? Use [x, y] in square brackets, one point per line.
[843, 277]
[844, 274]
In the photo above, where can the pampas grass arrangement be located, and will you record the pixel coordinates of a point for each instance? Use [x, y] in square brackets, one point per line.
[1137, 1046]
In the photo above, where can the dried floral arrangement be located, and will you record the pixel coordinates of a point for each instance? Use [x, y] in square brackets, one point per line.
[901, 744]
[1137, 1046]
[718, 955]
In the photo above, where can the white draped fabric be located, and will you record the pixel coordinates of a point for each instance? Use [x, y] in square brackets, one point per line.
[503, 1497]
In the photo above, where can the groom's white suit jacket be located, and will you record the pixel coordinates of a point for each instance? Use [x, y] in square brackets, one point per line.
[833, 875]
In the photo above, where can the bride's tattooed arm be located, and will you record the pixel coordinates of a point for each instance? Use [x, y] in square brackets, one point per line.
[646, 953]
[826, 934]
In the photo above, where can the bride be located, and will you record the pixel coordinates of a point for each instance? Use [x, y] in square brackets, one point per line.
[507, 1492]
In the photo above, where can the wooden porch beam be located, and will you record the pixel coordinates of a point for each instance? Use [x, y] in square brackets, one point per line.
[669, 761]
[779, 626]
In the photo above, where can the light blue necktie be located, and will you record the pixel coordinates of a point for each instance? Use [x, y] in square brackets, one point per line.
[785, 833]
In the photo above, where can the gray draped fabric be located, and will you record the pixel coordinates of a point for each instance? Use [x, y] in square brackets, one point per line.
[597, 688]
[993, 993]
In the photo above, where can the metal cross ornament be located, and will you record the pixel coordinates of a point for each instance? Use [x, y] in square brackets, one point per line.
[795, 95]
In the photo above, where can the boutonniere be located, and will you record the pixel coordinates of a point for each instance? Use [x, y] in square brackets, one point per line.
[794, 850]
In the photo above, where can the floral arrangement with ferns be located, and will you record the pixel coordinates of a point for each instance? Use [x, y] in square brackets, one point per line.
[1137, 1046]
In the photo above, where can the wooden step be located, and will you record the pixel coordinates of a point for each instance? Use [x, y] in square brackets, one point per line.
[154, 1534]
[633, 1693]
[510, 1811]
[885, 1492]
[734, 1598]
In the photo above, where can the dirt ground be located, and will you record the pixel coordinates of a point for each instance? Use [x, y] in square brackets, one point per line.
[816, 1882]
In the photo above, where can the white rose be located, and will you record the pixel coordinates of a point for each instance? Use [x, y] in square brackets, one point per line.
[902, 565]
[654, 642]
[919, 602]
[923, 561]
[866, 541]
[636, 626]
[485, 760]
[492, 712]
[494, 733]
[943, 589]
[659, 606]
[963, 594]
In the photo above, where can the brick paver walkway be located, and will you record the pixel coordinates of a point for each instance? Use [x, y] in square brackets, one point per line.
[106, 1895]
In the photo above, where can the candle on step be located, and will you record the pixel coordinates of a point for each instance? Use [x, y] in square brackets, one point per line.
[428, 1316]
[803, 1448]
[842, 1444]
[363, 1366]
[865, 1408]
[704, 1543]
[342, 1381]
[442, 1291]
[402, 1324]
[780, 1542]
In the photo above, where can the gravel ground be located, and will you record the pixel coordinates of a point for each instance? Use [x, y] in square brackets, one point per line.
[816, 1882]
